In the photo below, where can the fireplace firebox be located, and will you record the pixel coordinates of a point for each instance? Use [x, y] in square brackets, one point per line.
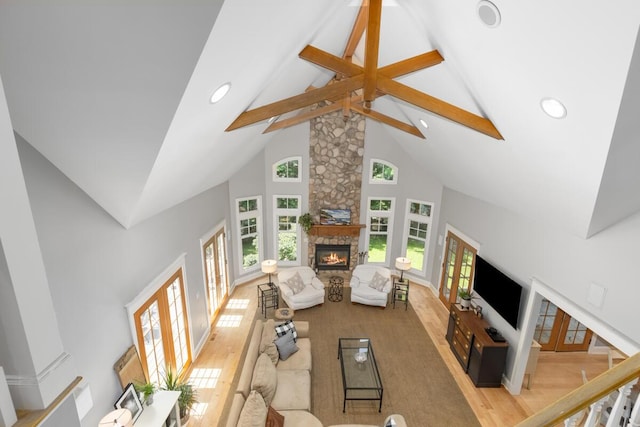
[333, 257]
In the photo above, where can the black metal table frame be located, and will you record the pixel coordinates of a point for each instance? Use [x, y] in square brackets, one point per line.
[401, 292]
[267, 297]
[371, 359]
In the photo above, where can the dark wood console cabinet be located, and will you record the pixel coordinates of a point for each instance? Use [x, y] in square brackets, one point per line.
[480, 357]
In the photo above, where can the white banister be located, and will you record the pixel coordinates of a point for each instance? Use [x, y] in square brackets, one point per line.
[595, 412]
[634, 419]
[621, 405]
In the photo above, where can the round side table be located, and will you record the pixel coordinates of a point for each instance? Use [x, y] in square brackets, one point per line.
[284, 313]
[335, 288]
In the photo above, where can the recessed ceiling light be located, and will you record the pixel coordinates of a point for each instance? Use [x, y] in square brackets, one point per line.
[424, 124]
[272, 119]
[553, 108]
[488, 13]
[219, 93]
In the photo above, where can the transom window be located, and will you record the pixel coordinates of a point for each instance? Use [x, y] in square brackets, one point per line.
[249, 211]
[382, 172]
[379, 227]
[417, 232]
[288, 169]
[287, 232]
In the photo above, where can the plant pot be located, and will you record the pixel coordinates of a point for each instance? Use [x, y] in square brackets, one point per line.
[465, 303]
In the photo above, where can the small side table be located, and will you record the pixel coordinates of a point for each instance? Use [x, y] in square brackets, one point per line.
[401, 292]
[336, 283]
[284, 313]
[267, 297]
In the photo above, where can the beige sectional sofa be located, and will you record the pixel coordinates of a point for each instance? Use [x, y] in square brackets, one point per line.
[284, 385]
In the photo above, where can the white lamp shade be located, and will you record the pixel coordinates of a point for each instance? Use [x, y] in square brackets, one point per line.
[119, 417]
[403, 264]
[269, 266]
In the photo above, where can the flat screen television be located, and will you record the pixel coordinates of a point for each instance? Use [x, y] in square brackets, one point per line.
[335, 216]
[498, 290]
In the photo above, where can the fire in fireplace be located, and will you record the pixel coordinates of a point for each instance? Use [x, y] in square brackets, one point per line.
[333, 257]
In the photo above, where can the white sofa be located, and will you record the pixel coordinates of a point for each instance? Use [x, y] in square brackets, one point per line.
[362, 293]
[312, 293]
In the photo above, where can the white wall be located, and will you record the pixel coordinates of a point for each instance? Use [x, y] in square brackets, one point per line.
[523, 248]
[95, 266]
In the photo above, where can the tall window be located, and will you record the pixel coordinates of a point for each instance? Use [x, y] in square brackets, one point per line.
[288, 169]
[382, 172]
[417, 232]
[379, 227]
[162, 330]
[249, 229]
[287, 232]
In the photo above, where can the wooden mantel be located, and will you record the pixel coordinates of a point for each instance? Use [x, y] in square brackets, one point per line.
[336, 230]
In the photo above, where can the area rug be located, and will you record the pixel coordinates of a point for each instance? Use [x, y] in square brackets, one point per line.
[416, 381]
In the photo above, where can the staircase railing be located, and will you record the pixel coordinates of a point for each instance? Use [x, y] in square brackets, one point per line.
[592, 398]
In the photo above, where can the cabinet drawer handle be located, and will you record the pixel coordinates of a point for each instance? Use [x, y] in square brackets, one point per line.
[478, 345]
[466, 346]
[464, 357]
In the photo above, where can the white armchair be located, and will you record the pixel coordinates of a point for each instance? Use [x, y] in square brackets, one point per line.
[310, 294]
[361, 290]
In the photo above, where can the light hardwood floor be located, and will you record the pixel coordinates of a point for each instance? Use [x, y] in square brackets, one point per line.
[556, 374]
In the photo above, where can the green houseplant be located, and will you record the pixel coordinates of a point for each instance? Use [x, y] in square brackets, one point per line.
[188, 395]
[306, 222]
[465, 297]
[147, 390]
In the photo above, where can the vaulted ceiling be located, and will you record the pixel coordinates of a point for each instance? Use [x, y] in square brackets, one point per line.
[116, 95]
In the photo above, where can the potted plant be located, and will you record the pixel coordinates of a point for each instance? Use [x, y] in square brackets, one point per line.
[187, 397]
[465, 298]
[146, 390]
[306, 222]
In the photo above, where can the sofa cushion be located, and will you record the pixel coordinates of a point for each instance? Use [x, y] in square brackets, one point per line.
[301, 359]
[265, 378]
[288, 325]
[253, 351]
[274, 419]
[266, 343]
[254, 411]
[286, 345]
[295, 283]
[378, 281]
[293, 390]
[300, 418]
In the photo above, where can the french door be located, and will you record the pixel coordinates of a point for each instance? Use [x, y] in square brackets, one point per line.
[557, 331]
[163, 332]
[457, 268]
[215, 267]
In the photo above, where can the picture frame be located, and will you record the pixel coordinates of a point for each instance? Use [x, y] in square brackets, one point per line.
[130, 400]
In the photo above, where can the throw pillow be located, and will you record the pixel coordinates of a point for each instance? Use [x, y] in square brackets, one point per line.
[286, 345]
[265, 378]
[266, 342]
[378, 281]
[295, 283]
[274, 419]
[254, 411]
[286, 327]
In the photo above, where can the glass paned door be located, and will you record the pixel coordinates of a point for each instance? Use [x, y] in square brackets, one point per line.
[557, 331]
[151, 329]
[457, 269]
[215, 267]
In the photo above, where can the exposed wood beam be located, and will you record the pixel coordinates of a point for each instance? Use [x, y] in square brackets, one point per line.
[371, 51]
[303, 116]
[437, 106]
[357, 31]
[388, 120]
[296, 102]
[329, 61]
[406, 66]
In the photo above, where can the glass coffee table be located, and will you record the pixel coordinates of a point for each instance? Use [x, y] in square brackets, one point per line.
[360, 375]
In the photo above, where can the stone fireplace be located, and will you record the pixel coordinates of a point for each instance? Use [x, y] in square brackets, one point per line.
[336, 149]
[332, 257]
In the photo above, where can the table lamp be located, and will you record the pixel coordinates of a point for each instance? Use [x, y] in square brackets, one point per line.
[118, 418]
[269, 266]
[403, 264]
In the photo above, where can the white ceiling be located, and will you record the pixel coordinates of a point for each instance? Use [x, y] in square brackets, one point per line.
[115, 93]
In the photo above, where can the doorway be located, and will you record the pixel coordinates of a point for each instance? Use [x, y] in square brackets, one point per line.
[457, 268]
[557, 331]
[215, 267]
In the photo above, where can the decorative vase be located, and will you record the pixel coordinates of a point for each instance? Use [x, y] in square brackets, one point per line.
[465, 303]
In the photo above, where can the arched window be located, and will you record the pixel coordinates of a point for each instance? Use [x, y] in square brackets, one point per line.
[288, 170]
[382, 172]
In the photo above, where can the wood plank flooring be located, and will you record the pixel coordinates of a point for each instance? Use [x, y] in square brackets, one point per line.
[556, 374]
